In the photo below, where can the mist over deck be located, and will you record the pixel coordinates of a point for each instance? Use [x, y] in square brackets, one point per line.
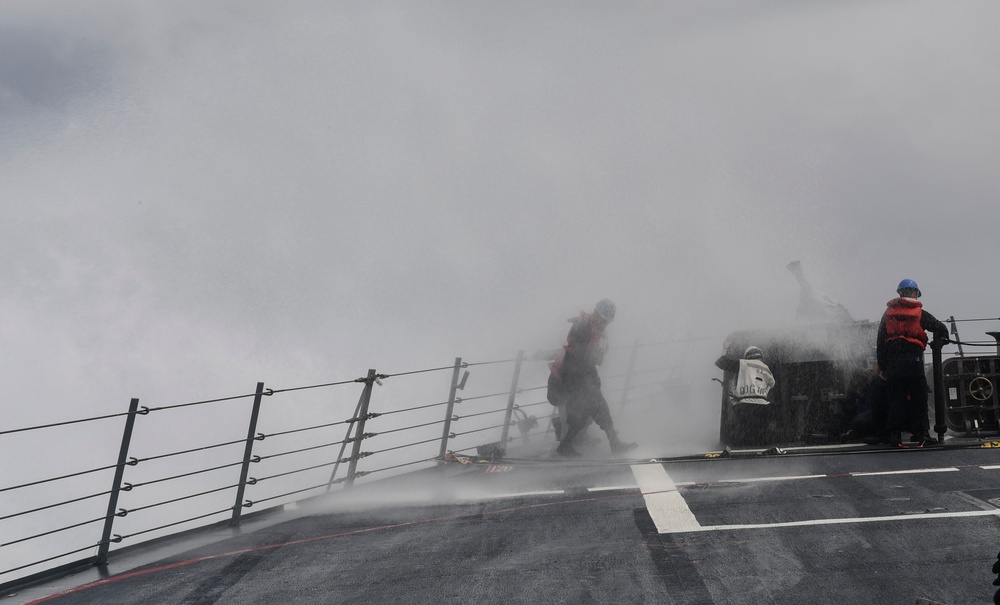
[805, 526]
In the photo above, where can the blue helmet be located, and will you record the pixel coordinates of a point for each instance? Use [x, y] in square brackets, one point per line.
[907, 284]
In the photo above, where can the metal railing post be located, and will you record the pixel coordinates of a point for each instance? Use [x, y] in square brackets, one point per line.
[451, 408]
[954, 332]
[510, 400]
[359, 433]
[996, 336]
[347, 439]
[109, 520]
[628, 374]
[247, 453]
[940, 424]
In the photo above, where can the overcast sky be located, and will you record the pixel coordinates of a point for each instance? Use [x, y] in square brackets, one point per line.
[200, 195]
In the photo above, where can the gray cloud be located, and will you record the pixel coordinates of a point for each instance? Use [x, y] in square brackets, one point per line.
[231, 192]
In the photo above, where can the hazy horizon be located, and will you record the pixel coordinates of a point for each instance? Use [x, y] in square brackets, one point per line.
[200, 196]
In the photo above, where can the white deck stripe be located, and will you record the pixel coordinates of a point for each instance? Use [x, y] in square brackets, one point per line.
[665, 505]
[555, 492]
[671, 514]
[754, 479]
[914, 471]
[971, 513]
[991, 467]
[854, 474]
[611, 488]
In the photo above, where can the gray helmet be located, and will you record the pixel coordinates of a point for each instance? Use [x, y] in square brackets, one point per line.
[605, 309]
[753, 353]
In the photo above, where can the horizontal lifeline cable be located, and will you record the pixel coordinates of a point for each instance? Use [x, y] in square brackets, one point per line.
[399, 447]
[125, 512]
[52, 558]
[531, 405]
[53, 531]
[305, 449]
[300, 470]
[203, 402]
[312, 428]
[464, 399]
[250, 503]
[488, 428]
[64, 423]
[130, 486]
[407, 428]
[191, 451]
[51, 479]
[419, 407]
[48, 506]
[146, 531]
[982, 319]
[451, 367]
[497, 411]
[525, 390]
[142, 412]
[486, 363]
[537, 433]
[379, 470]
[314, 386]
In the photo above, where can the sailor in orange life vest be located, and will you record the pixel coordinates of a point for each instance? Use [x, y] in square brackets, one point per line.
[574, 385]
[902, 337]
[748, 391]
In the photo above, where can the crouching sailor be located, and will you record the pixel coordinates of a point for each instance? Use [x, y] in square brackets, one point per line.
[747, 395]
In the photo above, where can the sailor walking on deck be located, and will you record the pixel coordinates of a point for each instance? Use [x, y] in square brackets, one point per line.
[574, 385]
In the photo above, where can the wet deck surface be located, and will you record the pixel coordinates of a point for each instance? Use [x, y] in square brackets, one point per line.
[883, 527]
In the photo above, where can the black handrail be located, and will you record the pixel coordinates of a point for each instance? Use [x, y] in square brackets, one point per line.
[313, 455]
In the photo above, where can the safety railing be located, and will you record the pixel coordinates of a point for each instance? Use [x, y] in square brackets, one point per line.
[980, 346]
[152, 471]
[195, 464]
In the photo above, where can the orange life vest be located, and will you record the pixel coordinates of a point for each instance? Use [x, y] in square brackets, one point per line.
[902, 320]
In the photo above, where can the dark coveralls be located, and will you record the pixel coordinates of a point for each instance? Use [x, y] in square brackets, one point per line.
[750, 420]
[580, 382]
[900, 350]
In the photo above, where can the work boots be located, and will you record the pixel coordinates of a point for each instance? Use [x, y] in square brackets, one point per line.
[876, 439]
[617, 445]
[566, 450]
